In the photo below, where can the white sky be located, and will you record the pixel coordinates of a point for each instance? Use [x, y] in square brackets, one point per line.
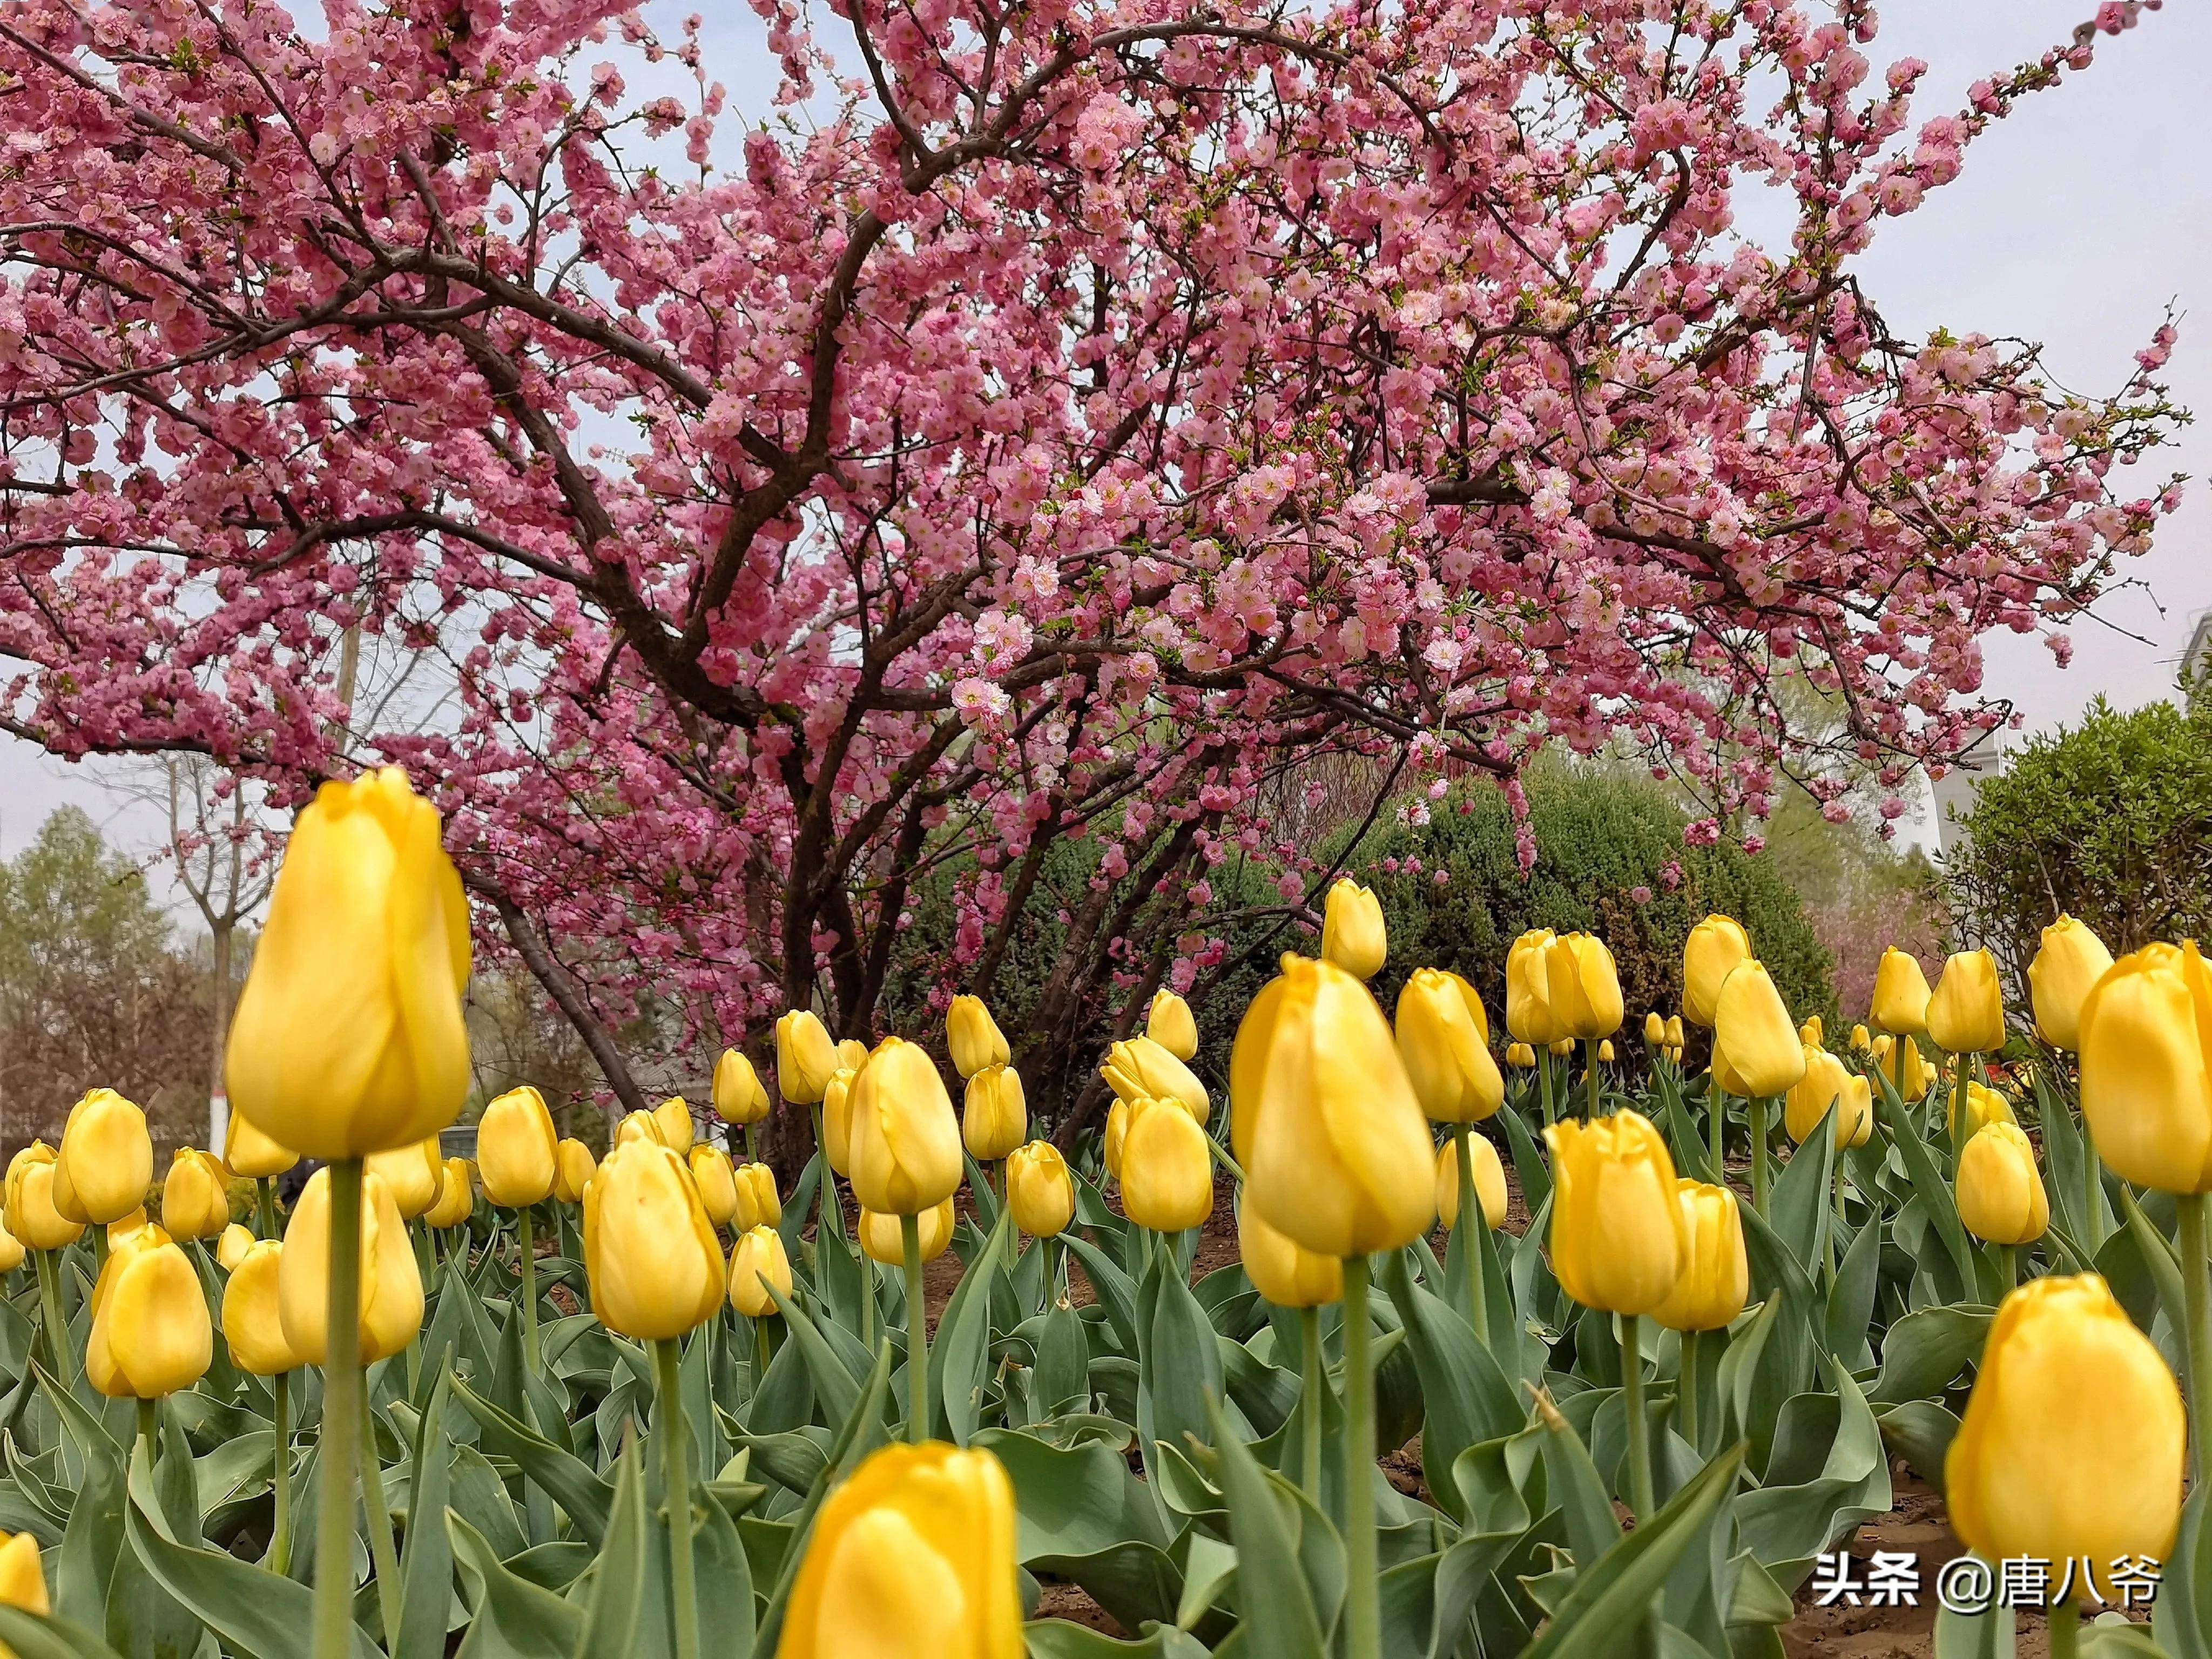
[2076, 220]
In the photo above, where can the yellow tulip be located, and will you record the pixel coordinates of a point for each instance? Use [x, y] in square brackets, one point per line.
[390, 1283]
[416, 1174]
[1040, 1191]
[757, 1182]
[1985, 1106]
[649, 1251]
[32, 1216]
[1620, 1239]
[518, 1149]
[1141, 1069]
[1861, 1040]
[673, 1115]
[1966, 1013]
[882, 1237]
[253, 1322]
[1582, 986]
[1676, 1035]
[1520, 1055]
[107, 1158]
[457, 1196]
[231, 1247]
[1605, 1050]
[1529, 1016]
[837, 1120]
[1353, 935]
[740, 1097]
[1854, 1111]
[2071, 959]
[995, 1116]
[1563, 1049]
[573, 1172]
[1900, 993]
[914, 1555]
[22, 1574]
[251, 1155]
[349, 1037]
[119, 1230]
[1117, 1132]
[1916, 1076]
[151, 1334]
[11, 1251]
[904, 1139]
[195, 1203]
[2001, 1196]
[1170, 1023]
[1654, 1030]
[1443, 1042]
[2146, 1030]
[852, 1054]
[1716, 1278]
[1167, 1174]
[717, 1182]
[1336, 1152]
[641, 1125]
[1756, 1049]
[974, 1037]
[1280, 1270]
[1812, 1095]
[805, 1057]
[1489, 1182]
[1713, 950]
[2072, 1444]
[756, 1261]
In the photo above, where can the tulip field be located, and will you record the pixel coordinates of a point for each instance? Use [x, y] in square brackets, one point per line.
[661, 1403]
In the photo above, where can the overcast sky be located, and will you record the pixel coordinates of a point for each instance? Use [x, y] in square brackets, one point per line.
[2075, 223]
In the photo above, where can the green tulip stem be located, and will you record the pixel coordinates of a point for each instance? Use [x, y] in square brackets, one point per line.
[668, 1376]
[149, 1427]
[2092, 1189]
[1961, 1123]
[752, 1145]
[2007, 1268]
[525, 1234]
[1685, 1391]
[382, 1556]
[264, 1204]
[2065, 1626]
[763, 1350]
[867, 1302]
[1757, 1105]
[99, 1249]
[917, 1333]
[1718, 1126]
[1639, 1426]
[50, 1313]
[1589, 1048]
[1470, 1217]
[1362, 1607]
[280, 1530]
[1221, 1156]
[1316, 1381]
[2197, 1276]
[1544, 1083]
[338, 1465]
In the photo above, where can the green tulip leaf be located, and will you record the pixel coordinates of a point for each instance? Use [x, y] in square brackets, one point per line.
[35, 1638]
[426, 1567]
[513, 1618]
[585, 1495]
[610, 1614]
[1272, 1590]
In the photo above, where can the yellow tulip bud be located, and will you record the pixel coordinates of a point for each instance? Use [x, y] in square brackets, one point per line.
[1335, 1150]
[32, 1216]
[1676, 1035]
[1140, 1069]
[2001, 1196]
[974, 1037]
[251, 1155]
[717, 1182]
[1916, 1076]
[1654, 1030]
[1605, 1050]
[1282, 1272]
[416, 1174]
[457, 1196]
[756, 1261]
[1854, 1111]
[1966, 1013]
[837, 1120]
[390, 1283]
[195, 1202]
[649, 1250]
[1900, 993]
[1167, 1175]
[107, 1157]
[151, 1334]
[740, 1097]
[574, 1171]
[1353, 935]
[1443, 1042]
[758, 1183]
[1985, 1106]
[1620, 1239]
[1489, 1182]
[637, 1126]
[994, 1117]
[673, 1115]
[852, 1054]
[2071, 959]
[1563, 1049]
[518, 1149]
[119, 1230]
[349, 1037]
[2146, 1030]
[1040, 1191]
[1716, 1278]
[2072, 1444]
[1756, 1050]
[253, 1322]
[905, 1140]
[1812, 1095]
[22, 1574]
[1529, 1016]
[11, 1251]
[1583, 987]
[805, 1057]
[1520, 1055]
[882, 1237]
[1714, 950]
[1861, 1040]
[1170, 1023]
[231, 1247]
[913, 1555]
[1117, 1132]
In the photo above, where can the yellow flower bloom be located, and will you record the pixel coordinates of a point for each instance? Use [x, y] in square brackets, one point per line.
[837, 1120]
[904, 1139]
[231, 1247]
[1140, 1069]
[1520, 1055]
[32, 1217]
[151, 1334]
[1353, 935]
[1529, 1016]
[649, 1250]
[1167, 1174]
[1654, 1030]
[574, 1171]
[756, 1261]
[415, 1173]
[457, 1196]
[1756, 1050]
[1716, 1278]
[1117, 1132]
[1282, 1272]
[106, 1159]
[638, 1126]
[882, 1237]
[1966, 1013]
[1985, 1106]
[717, 1182]
[1040, 1191]
[1900, 993]
[805, 1057]
[740, 1097]
[252, 1323]
[23, 1574]
[995, 1116]
[390, 1283]
[1170, 1023]
[251, 1155]
[757, 1182]
[1489, 1182]
[974, 1037]
[1583, 987]
[1713, 950]
[518, 1149]
[2001, 1196]
[2071, 960]
[195, 1199]
[673, 1115]
[1443, 1042]
[1620, 1239]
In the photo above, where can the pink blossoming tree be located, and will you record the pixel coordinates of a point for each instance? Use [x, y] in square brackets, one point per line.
[1100, 422]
